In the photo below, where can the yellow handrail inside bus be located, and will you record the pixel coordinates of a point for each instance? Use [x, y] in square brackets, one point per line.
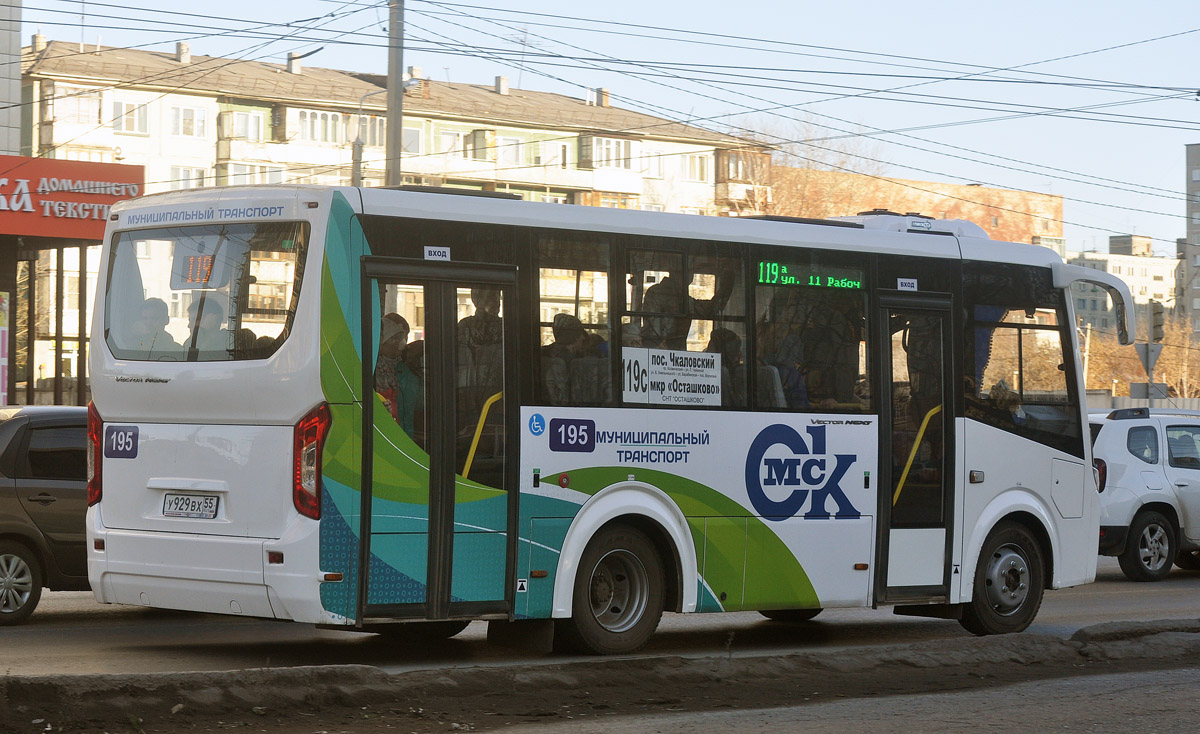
[487, 405]
[913, 454]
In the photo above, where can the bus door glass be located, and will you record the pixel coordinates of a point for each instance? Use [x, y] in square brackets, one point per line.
[919, 460]
[440, 512]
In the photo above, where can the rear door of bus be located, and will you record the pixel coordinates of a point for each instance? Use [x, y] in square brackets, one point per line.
[440, 519]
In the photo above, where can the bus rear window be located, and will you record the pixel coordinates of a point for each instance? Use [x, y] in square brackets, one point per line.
[203, 293]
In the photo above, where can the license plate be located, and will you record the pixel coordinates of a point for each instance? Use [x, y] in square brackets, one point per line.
[203, 506]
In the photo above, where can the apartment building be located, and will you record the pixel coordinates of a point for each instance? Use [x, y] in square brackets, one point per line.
[1131, 259]
[197, 120]
[1188, 248]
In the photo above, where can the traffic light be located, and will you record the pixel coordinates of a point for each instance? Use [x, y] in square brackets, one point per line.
[1157, 319]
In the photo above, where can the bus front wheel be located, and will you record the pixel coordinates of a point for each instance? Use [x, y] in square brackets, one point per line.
[618, 595]
[1009, 582]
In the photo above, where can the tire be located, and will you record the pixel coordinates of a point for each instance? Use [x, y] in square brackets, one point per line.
[618, 596]
[1009, 582]
[1150, 548]
[416, 632]
[1188, 560]
[21, 581]
[790, 615]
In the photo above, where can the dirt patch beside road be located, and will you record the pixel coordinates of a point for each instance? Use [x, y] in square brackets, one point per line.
[365, 699]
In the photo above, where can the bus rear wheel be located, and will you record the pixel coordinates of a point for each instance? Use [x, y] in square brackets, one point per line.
[790, 615]
[1009, 583]
[618, 595]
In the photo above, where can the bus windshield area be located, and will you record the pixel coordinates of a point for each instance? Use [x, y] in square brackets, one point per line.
[203, 293]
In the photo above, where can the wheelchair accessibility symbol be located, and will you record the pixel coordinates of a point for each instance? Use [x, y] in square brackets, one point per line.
[537, 424]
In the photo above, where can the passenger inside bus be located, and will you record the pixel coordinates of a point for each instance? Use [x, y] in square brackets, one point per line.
[409, 409]
[393, 336]
[575, 365]
[674, 309]
[206, 324]
[149, 332]
[479, 346]
[728, 344]
[808, 350]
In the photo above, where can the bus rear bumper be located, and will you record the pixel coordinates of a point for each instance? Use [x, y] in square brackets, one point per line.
[212, 574]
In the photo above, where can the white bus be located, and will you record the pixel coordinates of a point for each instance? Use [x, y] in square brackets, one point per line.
[364, 407]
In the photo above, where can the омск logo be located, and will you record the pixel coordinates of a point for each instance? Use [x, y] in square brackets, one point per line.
[808, 470]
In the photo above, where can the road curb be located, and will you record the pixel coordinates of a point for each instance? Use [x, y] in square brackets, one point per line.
[934, 665]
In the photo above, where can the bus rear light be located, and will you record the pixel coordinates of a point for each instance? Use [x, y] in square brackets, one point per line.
[95, 434]
[309, 437]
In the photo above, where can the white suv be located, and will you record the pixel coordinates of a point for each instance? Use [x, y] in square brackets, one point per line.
[1149, 462]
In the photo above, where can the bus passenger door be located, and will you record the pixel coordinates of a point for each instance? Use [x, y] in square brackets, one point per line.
[439, 521]
[916, 452]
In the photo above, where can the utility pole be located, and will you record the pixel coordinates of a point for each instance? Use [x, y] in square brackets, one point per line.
[395, 91]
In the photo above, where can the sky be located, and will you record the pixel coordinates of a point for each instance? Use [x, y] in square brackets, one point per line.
[1089, 101]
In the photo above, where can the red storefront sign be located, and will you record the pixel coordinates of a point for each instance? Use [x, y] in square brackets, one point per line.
[40, 197]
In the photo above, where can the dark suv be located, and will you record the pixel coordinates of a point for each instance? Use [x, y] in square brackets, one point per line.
[43, 502]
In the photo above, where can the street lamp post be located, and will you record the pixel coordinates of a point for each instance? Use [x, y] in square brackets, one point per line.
[357, 154]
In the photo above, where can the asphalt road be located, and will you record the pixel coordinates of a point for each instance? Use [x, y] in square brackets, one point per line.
[71, 633]
[1156, 701]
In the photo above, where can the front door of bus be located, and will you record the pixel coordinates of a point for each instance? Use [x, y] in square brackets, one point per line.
[918, 461]
[439, 520]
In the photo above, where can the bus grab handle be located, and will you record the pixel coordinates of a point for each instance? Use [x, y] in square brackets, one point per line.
[487, 405]
[913, 454]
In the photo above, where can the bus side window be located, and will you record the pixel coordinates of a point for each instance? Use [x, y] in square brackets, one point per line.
[810, 335]
[1015, 344]
[691, 301]
[575, 356]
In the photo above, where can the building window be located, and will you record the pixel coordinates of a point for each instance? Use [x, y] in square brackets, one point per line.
[618, 201]
[689, 210]
[1080, 304]
[995, 221]
[371, 130]
[248, 125]
[554, 198]
[320, 127]
[510, 151]
[77, 106]
[1196, 174]
[130, 117]
[412, 140]
[696, 167]
[240, 173]
[613, 153]
[186, 177]
[451, 142]
[652, 207]
[652, 165]
[189, 122]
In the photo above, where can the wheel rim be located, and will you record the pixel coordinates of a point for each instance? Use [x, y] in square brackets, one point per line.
[1154, 547]
[1007, 580]
[618, 590]
[16, 583]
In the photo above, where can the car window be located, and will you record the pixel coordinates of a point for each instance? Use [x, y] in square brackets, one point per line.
[1096, 427]
[58, 452]
[1183, 450]
[1142, 442]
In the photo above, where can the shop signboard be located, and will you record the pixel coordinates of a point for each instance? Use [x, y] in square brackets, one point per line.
[41, 197]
